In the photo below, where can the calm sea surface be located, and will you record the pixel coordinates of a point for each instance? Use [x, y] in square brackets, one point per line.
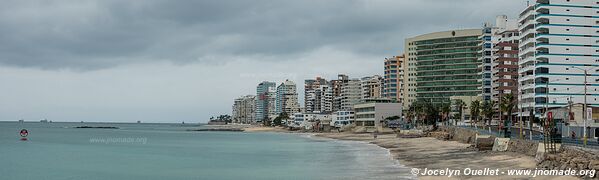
[167, 151]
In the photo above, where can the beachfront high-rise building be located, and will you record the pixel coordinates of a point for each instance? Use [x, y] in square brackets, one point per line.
[351, 93]
[393, 79]
[505, 58]
[265, 95]
[244, 110]
[558, 42]
[314, 93]
[441, 65]
[336, 87]
[486, 63]
[286, 98]
[372, 87]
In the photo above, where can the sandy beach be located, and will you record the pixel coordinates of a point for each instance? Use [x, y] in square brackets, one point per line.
[431, 153]
[266, 129]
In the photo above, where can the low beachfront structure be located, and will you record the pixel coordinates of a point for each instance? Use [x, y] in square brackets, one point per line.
[342, 118]
[371, 115]
[310, 120]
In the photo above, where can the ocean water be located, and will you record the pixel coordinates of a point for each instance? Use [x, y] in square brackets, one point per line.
[167, 151]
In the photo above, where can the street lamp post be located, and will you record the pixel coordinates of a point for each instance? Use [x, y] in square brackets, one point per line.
[584, 106]
[520, 114]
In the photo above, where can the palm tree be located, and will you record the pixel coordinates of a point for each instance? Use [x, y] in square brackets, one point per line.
[409, 114]
[474, 111]
[445, 109]
[419, 111]
[507, 105]
[460, 105]
[487, 110]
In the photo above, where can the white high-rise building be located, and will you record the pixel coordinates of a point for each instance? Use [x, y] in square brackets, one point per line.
[286, 98]
[372, 87]
[265, 101]
[244, 109]
[559, 40]
[351, 93]
[318, 96]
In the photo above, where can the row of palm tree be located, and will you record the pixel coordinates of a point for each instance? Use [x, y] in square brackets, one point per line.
[425, 112]
[507, 105]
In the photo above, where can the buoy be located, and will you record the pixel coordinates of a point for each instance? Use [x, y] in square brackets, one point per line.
[24, 133]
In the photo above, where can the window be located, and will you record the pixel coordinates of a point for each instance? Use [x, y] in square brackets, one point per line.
[567, 19]
[569, 30]
[567, 69]
[567, 39]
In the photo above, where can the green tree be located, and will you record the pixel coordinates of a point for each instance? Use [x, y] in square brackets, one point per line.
[446, 109]
[460, 105]
[279, 119]
[474, 111]
[431, 113]
[419, 113]
[487, 110]
[507, 106]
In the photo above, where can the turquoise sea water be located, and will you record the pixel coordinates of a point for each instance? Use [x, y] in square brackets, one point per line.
[167, 151]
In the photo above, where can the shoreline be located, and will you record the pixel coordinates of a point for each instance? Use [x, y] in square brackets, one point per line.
[431, 153]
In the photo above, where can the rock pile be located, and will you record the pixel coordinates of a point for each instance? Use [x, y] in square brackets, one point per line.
[571, 158]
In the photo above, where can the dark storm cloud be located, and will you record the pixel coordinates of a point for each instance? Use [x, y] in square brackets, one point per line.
[100, 34]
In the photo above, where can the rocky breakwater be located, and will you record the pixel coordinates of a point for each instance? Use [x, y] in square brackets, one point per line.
[456, 134]
[571, 158]
[526, 147]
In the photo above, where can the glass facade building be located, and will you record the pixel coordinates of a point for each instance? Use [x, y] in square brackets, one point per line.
[446, 64]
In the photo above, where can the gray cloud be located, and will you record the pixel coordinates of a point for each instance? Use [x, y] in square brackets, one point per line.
[100, 34]
[160, 60]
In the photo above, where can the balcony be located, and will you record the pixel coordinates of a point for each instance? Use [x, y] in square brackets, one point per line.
[527, 43]
[528, 51]
[526, 78]
[527, 15]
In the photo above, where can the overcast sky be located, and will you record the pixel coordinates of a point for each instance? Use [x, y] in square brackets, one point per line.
[173, 61]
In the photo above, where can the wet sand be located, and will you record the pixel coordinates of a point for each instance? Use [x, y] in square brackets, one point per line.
[431, 153]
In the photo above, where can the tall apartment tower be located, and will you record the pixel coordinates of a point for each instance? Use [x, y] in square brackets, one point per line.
[351, 93]
[265, 100]
[372, 87]
[286, 98]
[393, 78]
[486, 56]
[505, 58]
[314, 91]
[441, 65]
[336, 87]
[244, 110]
[558, 42]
